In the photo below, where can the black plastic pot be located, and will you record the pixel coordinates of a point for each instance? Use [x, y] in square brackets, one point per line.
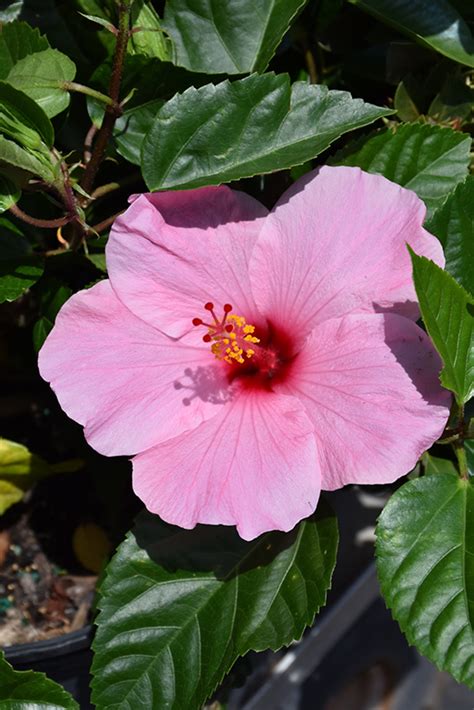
[65, 659]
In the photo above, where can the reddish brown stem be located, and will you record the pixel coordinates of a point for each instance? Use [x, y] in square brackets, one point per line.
[102, 226]
[37, 222]
[91, 134]
[111, 113]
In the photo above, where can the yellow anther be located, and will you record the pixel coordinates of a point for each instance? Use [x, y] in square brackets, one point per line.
[238, 320]
[232, 346]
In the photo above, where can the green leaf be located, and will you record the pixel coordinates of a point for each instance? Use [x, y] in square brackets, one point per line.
[448, 313]
[17, 460]
[453, 224]
[19, 268]
[147, 97]
[434, 464]
[179, 607]
[23, 120]
[28, 63]
[9, 193]
[404, 102]
[131, 128]
[42, 77]
[99, 21]
[455, 100]
[208, 35]
[29, 160]
[11, 493]
[425, 553]
[18, 40]
[256, 125]
[20, 469]
[98, 259]
[51, 294]
[429, 160]
[28, 690]
[148, 38]
[434, 23]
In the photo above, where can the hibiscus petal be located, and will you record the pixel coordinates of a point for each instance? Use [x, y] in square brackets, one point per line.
[254, 466]
[335, 244]
[370, 386]
[127, 383]
[172, 252]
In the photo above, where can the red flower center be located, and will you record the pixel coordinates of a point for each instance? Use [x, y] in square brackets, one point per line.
[258, 359]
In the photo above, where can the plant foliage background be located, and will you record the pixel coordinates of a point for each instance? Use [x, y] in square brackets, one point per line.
[102, 99]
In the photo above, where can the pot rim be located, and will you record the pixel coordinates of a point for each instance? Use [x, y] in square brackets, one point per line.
[70, 642]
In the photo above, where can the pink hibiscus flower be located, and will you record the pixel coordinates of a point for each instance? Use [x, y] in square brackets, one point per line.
[248, 359]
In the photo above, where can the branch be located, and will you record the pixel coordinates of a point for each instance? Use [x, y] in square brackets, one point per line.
[102, 226]
[37, 222]
[111, 111]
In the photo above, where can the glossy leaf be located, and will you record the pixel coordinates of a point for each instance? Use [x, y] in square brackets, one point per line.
[41, 76]
[256, 125]
[453, 224]
[27, 690]
[18, 40]
[178, 607]
[425, 552]
[429, 160]
[448, 313]
[9, 193]
[19, 268]
[434, 23]
[234, 36]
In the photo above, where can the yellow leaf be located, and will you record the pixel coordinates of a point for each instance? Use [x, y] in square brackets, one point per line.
[91, 546]
[9, 494]
[17, 460]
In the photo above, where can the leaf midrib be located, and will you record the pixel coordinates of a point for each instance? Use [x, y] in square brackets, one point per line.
[320, 137]
[233, 572]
